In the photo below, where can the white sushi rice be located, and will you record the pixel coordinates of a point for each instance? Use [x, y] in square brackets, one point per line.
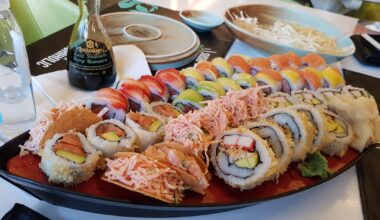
[62, 171]
[146, 138]
[109, 148]
[302, 130]
[317, 120]
[281, 145]
[243, 178]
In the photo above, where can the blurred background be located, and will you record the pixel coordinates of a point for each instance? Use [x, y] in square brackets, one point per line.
[32, 14]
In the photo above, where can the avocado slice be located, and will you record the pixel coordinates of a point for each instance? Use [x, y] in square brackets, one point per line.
[228, 84]
[249, 162]
[110, 136]
[244, 79]
[188, 96]
[70, 156]
[212, 87]
[315, 101]
[155, 126]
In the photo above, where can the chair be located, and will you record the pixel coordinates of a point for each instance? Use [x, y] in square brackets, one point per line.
[40, 18]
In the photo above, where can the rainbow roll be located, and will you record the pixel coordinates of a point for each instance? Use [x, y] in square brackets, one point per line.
[193, 77]
[293, 59]
[223, 67]
[269, 78]
[173, 80]
[291, 80]
[259, 64]
[278, 62]
[210, 90]
[135, 92]
[314, 60]
[228, 84]
[245, 80]
[313, 79]
[239, 64]
[208, 70]
[332, 78]
[157, 89]
[188, 100]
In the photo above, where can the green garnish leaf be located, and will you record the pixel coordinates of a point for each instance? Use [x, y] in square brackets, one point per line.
[315, 165]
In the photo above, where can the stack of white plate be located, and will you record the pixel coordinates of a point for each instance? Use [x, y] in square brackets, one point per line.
[167, 43]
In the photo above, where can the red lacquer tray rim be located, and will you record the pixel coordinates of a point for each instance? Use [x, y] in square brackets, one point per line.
[34, 184]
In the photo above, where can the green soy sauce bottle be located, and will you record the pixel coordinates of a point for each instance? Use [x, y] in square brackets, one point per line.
[90, 62]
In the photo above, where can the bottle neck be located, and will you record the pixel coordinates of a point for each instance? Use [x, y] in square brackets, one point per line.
[89, 7]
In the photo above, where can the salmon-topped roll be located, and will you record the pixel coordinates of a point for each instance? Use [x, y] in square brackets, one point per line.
[293, 59]
[239, 64]
[270, 78]
[313, 79]
[291, 80]
[314, 60]
[208, 70]
[258, 64]
[278, 62]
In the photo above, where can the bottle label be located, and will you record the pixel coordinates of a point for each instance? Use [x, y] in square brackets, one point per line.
[91, 58]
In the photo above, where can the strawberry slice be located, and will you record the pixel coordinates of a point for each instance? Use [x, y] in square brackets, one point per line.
[134, 90]
[156, 87]
[172, 78]
[110, 97]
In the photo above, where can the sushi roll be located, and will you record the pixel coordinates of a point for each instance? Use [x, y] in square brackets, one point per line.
[245, 80]
[228, 84]
[111, 136]
[188, 100]
[210, 90]
[239, 64]
[332, 79]
[280, 100]
[259, 64]
[317, 120]
[208, 70]
[278, 62]
[157, 89]
[269, 78]
[242, 158]
[113, 100]
[173, 80]
[340, 134]
[355, 92]
[68, 159]
[147, 176]
[293, 59]
[193, 77]
[301, 130]
[223, 67]
[149, 129]
[161, 109]
[310, 97]
[313, 80]
[191, 168]
[314, 60]
[327, 93]
[291, 80]
[135, 92]
[279, 142]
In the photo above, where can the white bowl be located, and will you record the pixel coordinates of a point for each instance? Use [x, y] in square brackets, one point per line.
[199, 20]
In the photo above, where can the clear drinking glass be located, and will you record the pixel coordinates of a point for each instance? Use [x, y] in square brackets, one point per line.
[17, 108]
